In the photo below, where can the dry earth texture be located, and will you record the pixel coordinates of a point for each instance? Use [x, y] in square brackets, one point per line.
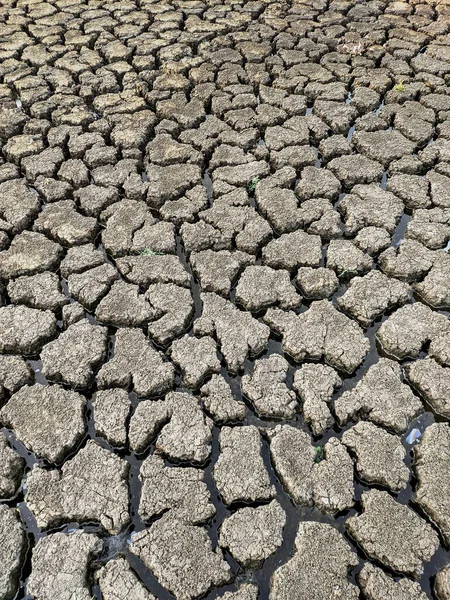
[224, 299]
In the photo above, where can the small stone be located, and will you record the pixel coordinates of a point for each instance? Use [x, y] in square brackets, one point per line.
[91, 486]
[380, 456]
[317, 283]
[37, 291]
[13, 545]
[260, 287]
[267, 390]
[196, 357]
[377, 585]
[321, 331]
[240, 473]
[219, 402]
[11, 469]
[393, 534]
[319, 568]
[75, 355]
[252, 534]
[180, 490]
[60, 413]
[181, 557]
[135, 363]
[29, 253]
[432, 381]
[60, 564]
[381, 397]
[183, 431]
[117, 581]
[111, 410]
[370, 296]
[238, 332]
[405, 332]
[315, 384]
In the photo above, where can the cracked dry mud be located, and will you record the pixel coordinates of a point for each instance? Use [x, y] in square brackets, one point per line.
[224, 299]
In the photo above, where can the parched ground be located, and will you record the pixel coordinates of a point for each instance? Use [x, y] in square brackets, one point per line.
[224, 295]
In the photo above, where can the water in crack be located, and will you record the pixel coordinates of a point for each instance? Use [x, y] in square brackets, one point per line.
[351, 132]
[114, 545]
[400, 230]
[195, 287]
[295, 514]
[207, 182]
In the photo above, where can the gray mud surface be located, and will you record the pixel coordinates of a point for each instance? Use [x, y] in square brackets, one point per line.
[224, 299]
